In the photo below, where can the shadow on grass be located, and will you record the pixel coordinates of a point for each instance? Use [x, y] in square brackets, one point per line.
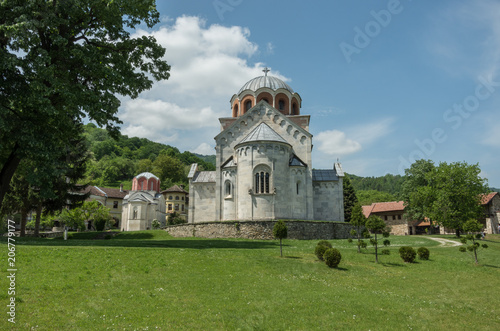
[491, 266]
[141, 240]
[293, 257]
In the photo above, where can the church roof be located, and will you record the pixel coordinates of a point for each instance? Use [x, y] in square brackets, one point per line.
[296, 161]
[263, 133]
[324, 175]
[204, 177]
[265, 81]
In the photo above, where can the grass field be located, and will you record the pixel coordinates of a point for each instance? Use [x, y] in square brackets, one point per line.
[150, 280]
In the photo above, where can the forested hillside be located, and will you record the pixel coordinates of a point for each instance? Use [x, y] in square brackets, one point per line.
[376, 189]
[115, 162]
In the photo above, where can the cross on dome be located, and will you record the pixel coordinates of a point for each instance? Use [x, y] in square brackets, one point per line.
[266, 70]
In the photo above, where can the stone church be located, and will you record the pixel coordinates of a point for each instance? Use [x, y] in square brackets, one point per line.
[264, 169]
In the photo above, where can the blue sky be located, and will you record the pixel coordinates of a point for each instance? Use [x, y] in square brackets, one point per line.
[385, 82]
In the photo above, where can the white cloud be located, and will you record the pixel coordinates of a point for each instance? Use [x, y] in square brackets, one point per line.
[208, 65]
[336, 143]
[204, 149]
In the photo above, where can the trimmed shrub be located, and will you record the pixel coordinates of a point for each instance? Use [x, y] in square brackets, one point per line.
[423, 253]
[332, 257]
[320, 250]
[325, 243]
[407, 253]
[100, 224]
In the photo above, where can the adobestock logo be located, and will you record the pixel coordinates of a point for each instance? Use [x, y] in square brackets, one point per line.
[453, 116]
[222, 6]
[363, 37]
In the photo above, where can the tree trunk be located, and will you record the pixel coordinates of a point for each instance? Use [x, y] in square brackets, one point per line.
[457, 233]
[37, 220]
[8, 170]
[281, 249]
[24, 216]
[376, 252]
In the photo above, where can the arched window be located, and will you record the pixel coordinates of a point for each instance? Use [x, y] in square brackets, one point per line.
[281, 104]
[265, 99]
[235, 111]
[134, 214]
[176, 197]
[248, 105]
[294, 109]
[228, 188]
[298, 185]
[262, 180]
[169, 197]
[151, 186]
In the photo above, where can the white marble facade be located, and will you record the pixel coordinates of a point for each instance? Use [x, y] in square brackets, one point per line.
[263, 163]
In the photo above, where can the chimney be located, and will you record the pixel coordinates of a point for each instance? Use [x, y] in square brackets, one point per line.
[121, 187]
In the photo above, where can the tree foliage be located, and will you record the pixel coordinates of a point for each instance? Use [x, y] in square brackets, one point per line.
[63, 61]
[449, 194]
[350, 198]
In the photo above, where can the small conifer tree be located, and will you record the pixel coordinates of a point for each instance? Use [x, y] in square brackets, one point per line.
[377, 226]
[280, 231]
[358, 220]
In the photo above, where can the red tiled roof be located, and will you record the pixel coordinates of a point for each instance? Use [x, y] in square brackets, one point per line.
[486, 198]
[382, 207]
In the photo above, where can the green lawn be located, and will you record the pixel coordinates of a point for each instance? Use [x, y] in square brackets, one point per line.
[150, 280]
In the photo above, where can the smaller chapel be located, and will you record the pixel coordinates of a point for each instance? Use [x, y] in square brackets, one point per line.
[143, 204]
[264, 168]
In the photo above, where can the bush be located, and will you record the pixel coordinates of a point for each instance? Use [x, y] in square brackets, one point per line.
[386, 252]
[100, 224]
[332, 257]
[423, 253]
[325, 243]
[155, 224]
[407, 253]
[320, 250]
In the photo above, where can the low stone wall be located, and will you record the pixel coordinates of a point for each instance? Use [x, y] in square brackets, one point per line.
[306, 230]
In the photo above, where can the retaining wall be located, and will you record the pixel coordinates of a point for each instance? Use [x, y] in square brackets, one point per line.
[306, 230]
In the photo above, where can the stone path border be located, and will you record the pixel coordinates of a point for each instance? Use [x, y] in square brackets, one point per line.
[445, 242]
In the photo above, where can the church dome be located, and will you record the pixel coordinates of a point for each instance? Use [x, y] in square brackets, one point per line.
[266, 81]
[146, 181]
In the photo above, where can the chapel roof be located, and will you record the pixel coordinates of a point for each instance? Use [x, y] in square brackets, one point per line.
[106, 192]
[382, 207]
[263, 133]
[271, 82]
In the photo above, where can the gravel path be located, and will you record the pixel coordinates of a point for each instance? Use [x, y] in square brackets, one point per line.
[445, 242]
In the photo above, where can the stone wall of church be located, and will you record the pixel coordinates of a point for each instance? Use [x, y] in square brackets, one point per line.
[328, 201]
[202, 202]
[304, 230]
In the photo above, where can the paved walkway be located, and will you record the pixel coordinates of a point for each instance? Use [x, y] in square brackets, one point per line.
[445, 242]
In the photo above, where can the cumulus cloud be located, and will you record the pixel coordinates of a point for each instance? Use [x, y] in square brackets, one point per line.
[338, 143]
[334, 142]
[208, 65]
[204, 149]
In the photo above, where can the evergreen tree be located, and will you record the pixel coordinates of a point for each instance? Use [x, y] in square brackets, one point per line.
[358, 220]
[350, 198]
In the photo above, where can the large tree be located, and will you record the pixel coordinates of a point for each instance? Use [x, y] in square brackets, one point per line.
[62, 61]
[458, 189]
[449, 194]
[417, 190]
